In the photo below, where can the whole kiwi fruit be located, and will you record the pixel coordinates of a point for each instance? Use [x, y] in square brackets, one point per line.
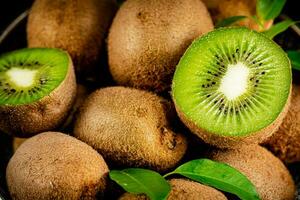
[285, 143]
[183, 189]
[53, 165]
[78, 27]
[222, 9]
[130, 127]
[37, 90]
[148, 37]
[268, 174]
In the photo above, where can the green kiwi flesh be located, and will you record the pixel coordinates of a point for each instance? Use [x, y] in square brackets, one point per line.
[53, 165]
[285, 143]
[130, 127]
[78, 27]
[148, 37]
[232, 84]
[183, 189]
[37, 89]
[268, 174]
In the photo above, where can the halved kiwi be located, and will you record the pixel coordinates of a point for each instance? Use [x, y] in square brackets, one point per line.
[232, 86]
[53, 165]
[37, 89]
[130, 127]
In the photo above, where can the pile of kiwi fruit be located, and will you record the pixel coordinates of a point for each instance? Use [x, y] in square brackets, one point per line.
[173, 78]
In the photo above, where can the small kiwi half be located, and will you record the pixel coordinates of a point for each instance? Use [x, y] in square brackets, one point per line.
[285, 143]
[268, 174]
[232, 86]
[130, 127]
[183, 189]
[78, 27]
[148, 37]
[37, 89]
[53, 165]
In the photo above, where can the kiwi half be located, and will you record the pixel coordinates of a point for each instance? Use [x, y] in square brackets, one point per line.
[285, 143]
[183, 189]
[268, 174]
[78, 27]
[130, 127]
[53, 165]
[148, 37]
[232, 86]
[37, 89]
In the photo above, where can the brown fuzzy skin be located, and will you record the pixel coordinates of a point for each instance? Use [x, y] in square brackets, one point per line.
[268, 174]
[222, 9]
[232, 142]
[45, 114]
[77, 26]
[53, 165]
[130, 127]
[148, 37]
[183, 189]
[285, 143]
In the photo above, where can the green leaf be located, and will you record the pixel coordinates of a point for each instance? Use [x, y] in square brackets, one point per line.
[295, 59]
[142, 181]
[220, 176]
[278, 28]
[269, 9]
[229, 21]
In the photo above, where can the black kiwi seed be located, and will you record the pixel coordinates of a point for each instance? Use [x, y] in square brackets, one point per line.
[208, 95]
[237, 50]
[263, 72]
[213, 83]
[13, 90]
[257, 81]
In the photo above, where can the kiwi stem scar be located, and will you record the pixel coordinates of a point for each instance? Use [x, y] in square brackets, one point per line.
[22, 77]
[234, 82]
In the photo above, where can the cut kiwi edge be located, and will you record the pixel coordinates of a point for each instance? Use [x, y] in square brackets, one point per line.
[20, 116]
[231, 142]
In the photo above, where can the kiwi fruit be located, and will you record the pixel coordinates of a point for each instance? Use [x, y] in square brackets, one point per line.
[183, 189]
[285, 143]
[78, 27]
[148, 37]
[238, 84]
[267, 173]
[53, 165]
[130, 127]
[37, 89]
[222, 9]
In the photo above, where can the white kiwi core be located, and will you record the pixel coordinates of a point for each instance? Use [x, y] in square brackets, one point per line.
[234, 82]
[22, 77]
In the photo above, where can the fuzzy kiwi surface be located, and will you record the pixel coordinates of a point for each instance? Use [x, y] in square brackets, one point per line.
[285, 143]
[37, 89]
[232, 87]
[130, 127]
[53, 165]
[148, 37]
[182, 189]
[268, 174]
[222, 9]
[78, 27]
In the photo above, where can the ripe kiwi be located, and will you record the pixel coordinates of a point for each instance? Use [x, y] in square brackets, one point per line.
[285, 143]
[222, 9]
[78, 27]
[53, 165]
[130, 127]
[183, 189]
[238, 85]
[148, 37]
[268, 174]
[37, 89]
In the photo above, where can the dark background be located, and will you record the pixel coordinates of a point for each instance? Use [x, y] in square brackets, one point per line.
[10, 9]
